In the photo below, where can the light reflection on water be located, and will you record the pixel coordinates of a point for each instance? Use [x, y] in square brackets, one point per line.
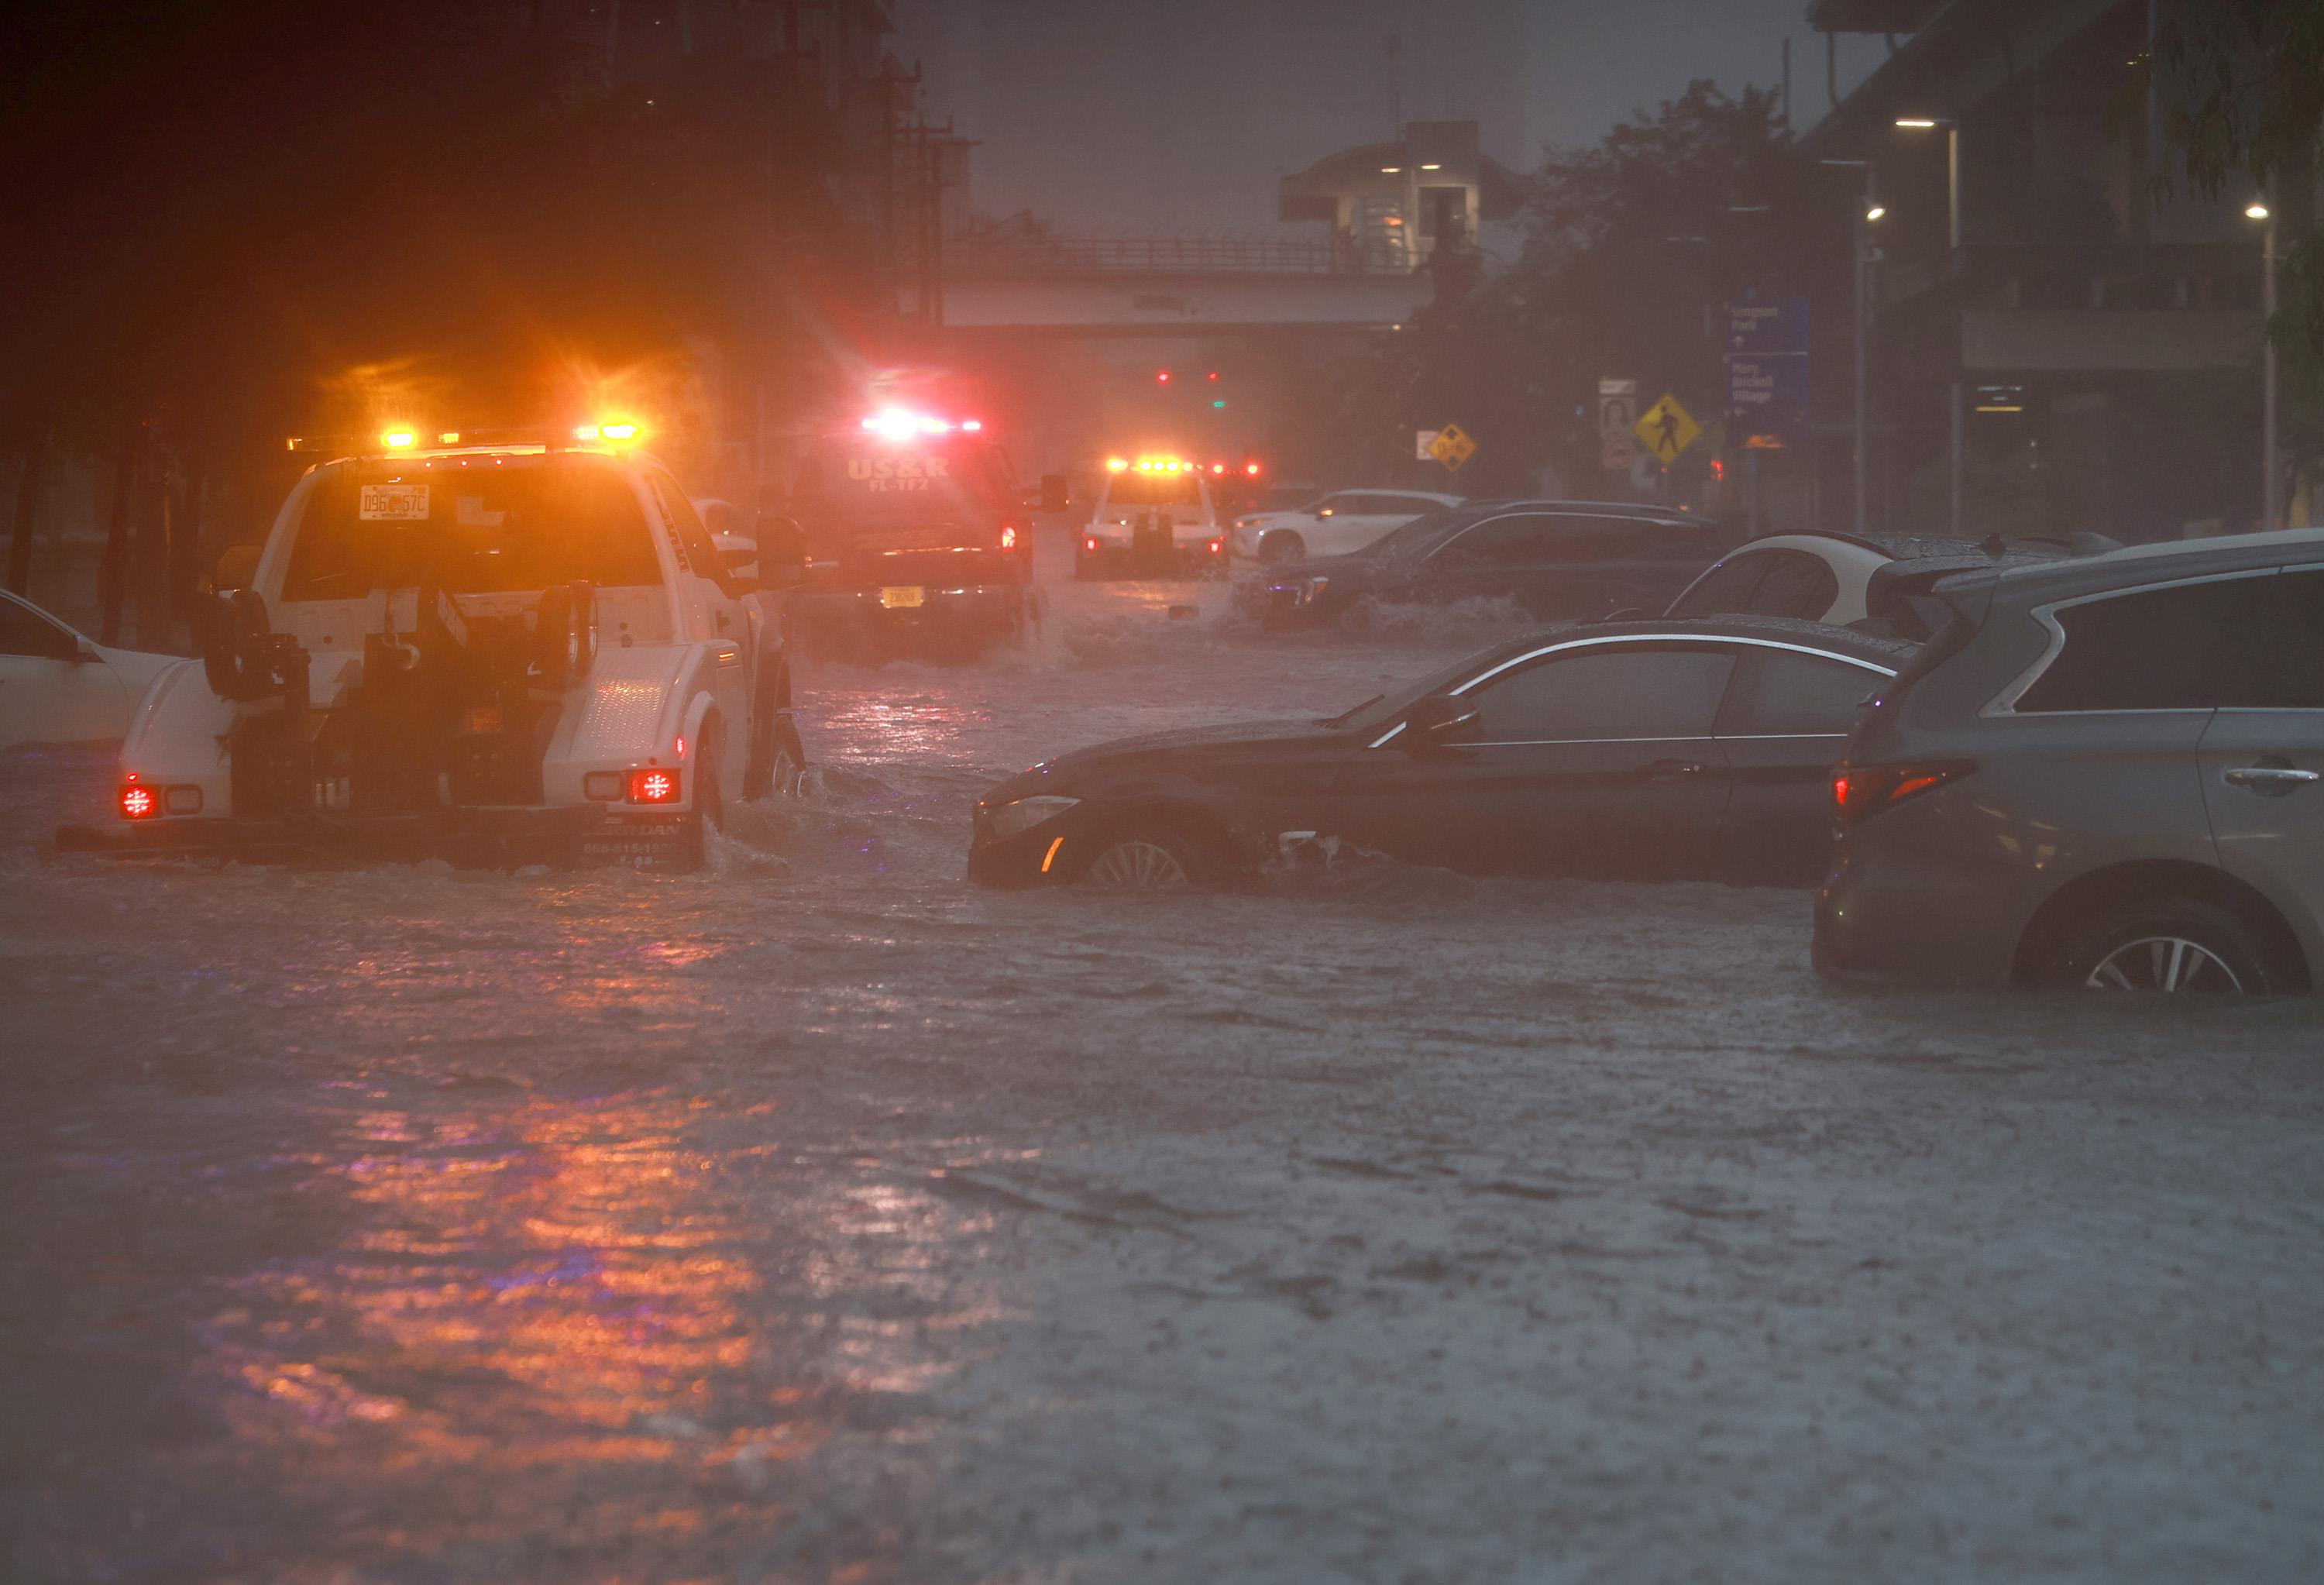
[557, 1319]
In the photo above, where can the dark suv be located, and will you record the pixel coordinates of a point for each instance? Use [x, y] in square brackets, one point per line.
[1554, 559]
[2102, 771]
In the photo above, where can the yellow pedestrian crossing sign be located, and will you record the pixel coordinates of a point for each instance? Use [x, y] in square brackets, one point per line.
[1453, 447]
[1667, 428]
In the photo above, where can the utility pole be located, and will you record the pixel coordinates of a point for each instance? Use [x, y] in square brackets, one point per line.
[1866, 213]
[1953, 241]
[2271, 499]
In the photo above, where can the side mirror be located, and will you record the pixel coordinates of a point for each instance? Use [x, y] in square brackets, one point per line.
[782, 552]
[1434, 721]
[1054, 496]
[237, 567]
[83, 652]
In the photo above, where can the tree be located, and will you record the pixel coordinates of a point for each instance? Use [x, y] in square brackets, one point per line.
[2241, 83]
[1631, 246]
[244, 220]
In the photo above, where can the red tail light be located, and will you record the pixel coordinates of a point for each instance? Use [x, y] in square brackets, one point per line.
[1008, 537]
[1217, 546]
[653, 787]
[1090, 544]
[1861, 790]
[140, 803]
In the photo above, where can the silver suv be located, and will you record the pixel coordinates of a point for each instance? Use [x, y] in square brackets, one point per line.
[2102, 771]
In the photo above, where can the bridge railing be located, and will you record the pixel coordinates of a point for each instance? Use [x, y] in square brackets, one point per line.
[1163, 255]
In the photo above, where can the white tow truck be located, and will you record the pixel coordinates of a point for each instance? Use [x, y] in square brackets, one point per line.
[501, 649]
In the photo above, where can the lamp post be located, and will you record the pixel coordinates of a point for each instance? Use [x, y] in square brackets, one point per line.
[1866, 214]
[1953, 242]
[2271, 483]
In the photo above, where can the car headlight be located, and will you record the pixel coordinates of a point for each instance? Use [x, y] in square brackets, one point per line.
[1008, 819]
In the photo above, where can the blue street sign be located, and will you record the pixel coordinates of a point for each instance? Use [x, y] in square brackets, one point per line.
[1768, 371]
[1764, 326]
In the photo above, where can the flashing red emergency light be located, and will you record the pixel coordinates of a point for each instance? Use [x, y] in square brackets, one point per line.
[893, 423]
[653, 787]
[1251, 468]
[1162, 376]
[139, 803]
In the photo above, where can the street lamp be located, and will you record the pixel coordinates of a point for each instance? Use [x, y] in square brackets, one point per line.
[2270, 486]
[1953, 233]
[1952, 165]
[1866, 213]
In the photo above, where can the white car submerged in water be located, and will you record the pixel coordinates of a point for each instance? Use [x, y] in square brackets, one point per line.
[56, 687]
[1337, 524]
[510, 653]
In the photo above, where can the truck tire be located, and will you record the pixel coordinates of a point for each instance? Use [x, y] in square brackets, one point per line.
[776, 764]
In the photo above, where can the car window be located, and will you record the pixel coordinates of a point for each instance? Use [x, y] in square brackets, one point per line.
[1800, 695]
[1627, 694]
[701, 550]
[1128, 489]
[1514, 540]
[2277, 662]
[1726, 589]
[523, 524]
[1417, 535]
[2169, 648]
[1796, 585]
[1387, 505]
[25, 632]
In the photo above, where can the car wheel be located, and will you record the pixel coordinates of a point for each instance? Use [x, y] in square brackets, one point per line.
[1032, 615]
[709, 796]
[2172, 943]
[770, 720]
[1282, 546]
[1148, 859]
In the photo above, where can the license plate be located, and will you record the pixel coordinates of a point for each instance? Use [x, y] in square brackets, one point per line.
[894, 598]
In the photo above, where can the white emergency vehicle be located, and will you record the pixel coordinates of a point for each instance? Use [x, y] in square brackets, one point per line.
[498, 650]
[1154, 518]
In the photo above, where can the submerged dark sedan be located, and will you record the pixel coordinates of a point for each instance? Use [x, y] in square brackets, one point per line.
[1650, 751]
[1555, 558]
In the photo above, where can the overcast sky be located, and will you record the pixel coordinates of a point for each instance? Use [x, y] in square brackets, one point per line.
[1178, 116]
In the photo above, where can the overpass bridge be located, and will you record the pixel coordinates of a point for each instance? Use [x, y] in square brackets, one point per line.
[1167, 286]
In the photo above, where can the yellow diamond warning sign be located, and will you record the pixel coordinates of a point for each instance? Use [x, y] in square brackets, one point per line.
[1667, 429]
[1452, 447]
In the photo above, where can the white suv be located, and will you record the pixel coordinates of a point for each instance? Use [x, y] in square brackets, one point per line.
[1342, 521]
[511, 653]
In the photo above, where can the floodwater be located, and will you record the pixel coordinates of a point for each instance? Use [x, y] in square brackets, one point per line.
[822, 1219]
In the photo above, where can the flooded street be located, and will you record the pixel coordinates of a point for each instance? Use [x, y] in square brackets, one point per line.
[823, 1219]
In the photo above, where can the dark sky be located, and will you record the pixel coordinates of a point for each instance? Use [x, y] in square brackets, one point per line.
[1177, 116]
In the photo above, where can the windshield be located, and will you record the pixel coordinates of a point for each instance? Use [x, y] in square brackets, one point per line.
[1417, 535]
[477, 525]
[1387, 706]
[1154, 490]
[908, 479]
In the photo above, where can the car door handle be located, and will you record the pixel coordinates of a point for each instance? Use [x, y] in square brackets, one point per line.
[2270, 782]
[1672, 769]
